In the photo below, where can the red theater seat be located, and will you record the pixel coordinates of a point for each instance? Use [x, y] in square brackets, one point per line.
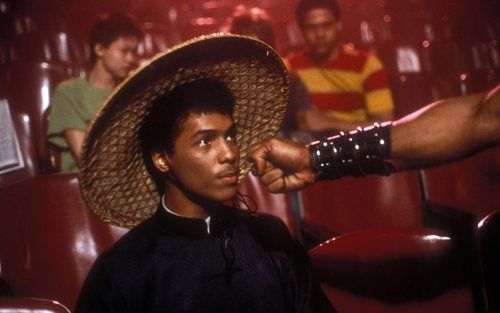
[489, 234]
[29, 90]
[49, 239]
[341, 206]
[396, 270]
[156, 39]
[53, 47]
[472, 184]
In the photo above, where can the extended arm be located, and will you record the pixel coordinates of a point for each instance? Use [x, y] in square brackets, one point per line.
[447, 130]
[440, 132]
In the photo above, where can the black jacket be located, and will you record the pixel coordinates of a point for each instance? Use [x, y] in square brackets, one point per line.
[248, 263]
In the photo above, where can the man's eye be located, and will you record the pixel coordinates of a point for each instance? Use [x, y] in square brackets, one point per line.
[203, 142]
[231, 135]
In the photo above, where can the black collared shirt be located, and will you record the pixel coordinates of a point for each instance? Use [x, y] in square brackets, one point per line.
[168, 263]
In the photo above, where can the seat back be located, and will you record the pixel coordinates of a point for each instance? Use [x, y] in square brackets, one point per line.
[53, 47]
[396, 270]
[350, 204]
[489, 232]
[156, 39]
[29, 87]
[471, 184]
[49, 238]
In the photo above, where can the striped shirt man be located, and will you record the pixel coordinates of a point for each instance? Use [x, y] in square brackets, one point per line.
[351, 87]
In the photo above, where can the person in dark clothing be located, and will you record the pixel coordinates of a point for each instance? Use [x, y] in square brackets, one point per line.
[184, 126]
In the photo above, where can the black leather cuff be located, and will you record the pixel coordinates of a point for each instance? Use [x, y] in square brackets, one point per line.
[356, 154]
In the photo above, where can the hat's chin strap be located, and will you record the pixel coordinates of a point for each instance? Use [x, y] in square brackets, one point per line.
[356, 154]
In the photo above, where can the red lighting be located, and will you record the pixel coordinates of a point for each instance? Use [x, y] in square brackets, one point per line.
[463, 76]
[203, 21]
[426, 43]
[387, 18]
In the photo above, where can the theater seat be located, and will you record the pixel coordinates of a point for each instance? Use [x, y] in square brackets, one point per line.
[29, 90]
[471, 184]
[394, 270]
[341, 206]
[489, 234]
[53, 47]
[49, 239]
[155, 40]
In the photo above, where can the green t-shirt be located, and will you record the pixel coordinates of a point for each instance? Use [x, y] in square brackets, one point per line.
[73, 106]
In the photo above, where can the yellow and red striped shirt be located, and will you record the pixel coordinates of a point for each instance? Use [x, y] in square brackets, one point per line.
[349, 88]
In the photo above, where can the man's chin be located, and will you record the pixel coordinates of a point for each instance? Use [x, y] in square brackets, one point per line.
[228, 195]
[322, 53]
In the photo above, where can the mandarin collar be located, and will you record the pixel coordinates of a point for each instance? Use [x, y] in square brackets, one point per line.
[222, 218]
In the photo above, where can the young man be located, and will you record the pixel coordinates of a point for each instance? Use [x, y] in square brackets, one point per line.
[113, 41]
[440, 132]
[183, 121]
[347, 87]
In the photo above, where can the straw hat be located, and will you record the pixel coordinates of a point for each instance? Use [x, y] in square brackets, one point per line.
[114, 180]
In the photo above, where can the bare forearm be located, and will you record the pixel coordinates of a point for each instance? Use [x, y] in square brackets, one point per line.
[440, 132]
[447, 130]
[74, 138]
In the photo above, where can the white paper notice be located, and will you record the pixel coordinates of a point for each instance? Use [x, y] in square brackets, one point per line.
[10, 154]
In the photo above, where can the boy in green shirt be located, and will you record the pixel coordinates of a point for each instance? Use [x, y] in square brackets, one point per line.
[113, 42]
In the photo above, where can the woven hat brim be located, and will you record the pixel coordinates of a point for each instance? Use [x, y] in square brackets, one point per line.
[114, 180]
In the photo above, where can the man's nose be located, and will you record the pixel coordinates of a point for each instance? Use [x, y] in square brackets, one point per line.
[131, 57]
[320, 32]
[228, 152]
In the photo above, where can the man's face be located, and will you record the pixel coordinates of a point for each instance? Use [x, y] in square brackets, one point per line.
[120, 57]
[204, 163]
[321, 31]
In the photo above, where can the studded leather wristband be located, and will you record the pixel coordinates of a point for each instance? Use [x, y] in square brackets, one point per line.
[357, 153]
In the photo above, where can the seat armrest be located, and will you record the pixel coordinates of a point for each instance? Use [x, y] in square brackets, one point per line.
[21, 304]
[313, 234]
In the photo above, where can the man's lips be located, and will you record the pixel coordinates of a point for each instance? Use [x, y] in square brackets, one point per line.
[228, 176]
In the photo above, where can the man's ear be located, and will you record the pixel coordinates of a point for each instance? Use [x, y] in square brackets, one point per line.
[161, 161]
[99, 50]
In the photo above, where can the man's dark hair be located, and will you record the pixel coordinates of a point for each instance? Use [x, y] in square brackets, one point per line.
[109, 27]
[165, 121]
[305, 6]
[253, 21]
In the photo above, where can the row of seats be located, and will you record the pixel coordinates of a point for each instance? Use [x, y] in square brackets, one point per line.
[64, 48]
